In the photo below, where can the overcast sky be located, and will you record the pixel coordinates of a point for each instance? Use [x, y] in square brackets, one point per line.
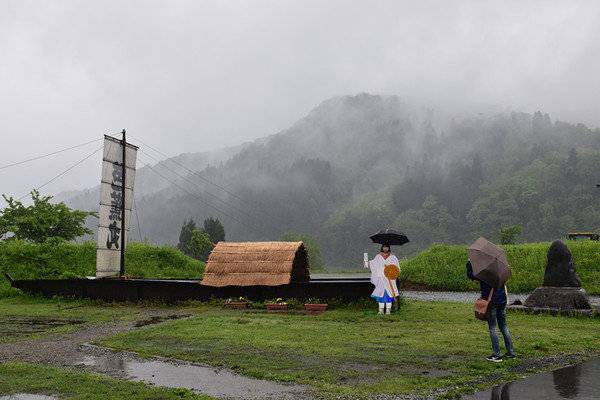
[198, 75]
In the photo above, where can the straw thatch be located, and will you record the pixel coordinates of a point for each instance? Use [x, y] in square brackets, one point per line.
[256, 264]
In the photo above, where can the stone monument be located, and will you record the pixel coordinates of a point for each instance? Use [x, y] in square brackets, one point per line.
[562, 287]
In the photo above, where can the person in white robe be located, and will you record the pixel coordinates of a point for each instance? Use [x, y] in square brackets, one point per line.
[386, 289]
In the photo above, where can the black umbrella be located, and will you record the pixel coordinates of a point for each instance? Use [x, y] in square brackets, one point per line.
[390, 237]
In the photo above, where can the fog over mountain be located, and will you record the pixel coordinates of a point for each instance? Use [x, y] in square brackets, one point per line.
[357, 163]
[195, 76]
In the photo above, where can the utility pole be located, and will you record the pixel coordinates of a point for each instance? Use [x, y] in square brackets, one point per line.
[123, 171]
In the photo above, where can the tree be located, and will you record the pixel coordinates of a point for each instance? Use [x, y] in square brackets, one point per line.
[185, 237]
[509, 233]
[571, 171]
[312, 247]
[42, 220]
[215, 229]
[200, 245]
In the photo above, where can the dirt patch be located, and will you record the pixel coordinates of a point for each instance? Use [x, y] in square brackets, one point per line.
[157, 319]
[434, 373]
[11, 326]
[529, 364]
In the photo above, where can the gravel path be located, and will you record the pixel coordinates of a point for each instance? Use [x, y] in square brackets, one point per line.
[462, 297]
[64, 350]
[467, 297]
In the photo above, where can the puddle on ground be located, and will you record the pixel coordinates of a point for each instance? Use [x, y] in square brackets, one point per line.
[206, 380]
[27, 396]
[576, 382]
[13, 326]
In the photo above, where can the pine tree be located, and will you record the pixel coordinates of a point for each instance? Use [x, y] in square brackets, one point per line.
[570, 169]
[215, 230]
[185, 237]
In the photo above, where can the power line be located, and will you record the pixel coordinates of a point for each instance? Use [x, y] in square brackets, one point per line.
[193, 194]
[197, 173]
[253, 216]
[63, 172]
[200, 198]
[47, 155]
[241, 212]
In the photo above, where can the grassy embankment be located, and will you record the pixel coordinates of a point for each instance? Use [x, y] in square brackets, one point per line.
[427, 346]
[442, 267]
[67, 260]
[38, 379]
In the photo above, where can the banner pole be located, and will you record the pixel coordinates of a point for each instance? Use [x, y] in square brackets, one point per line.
[123, 168]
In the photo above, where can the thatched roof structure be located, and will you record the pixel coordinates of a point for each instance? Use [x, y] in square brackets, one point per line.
[256, 264]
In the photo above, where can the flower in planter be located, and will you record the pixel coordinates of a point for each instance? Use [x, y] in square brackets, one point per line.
[278, 300]
[277, 305]
[314, 300]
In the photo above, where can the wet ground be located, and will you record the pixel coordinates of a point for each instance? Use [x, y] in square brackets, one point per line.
[576, 382]
[13, 326]
[74, 350]
[204, 379]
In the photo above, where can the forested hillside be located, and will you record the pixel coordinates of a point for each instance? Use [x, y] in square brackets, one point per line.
[356, 164]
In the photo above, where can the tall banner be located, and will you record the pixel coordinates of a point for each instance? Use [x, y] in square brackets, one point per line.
[108, 253]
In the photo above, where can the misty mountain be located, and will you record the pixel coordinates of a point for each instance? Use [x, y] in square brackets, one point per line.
[356, 164]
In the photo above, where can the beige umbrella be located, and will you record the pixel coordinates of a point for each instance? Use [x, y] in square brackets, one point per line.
[489, 263]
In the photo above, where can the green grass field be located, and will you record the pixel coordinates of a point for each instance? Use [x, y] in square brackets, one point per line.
[353, 351]
[428, 347]
[442, 267]
[67, 260]
[63, 383]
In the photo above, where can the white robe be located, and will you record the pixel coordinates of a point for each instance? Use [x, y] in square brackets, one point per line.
[378, 278]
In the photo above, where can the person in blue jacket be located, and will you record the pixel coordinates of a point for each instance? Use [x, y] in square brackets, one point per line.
[497, 314]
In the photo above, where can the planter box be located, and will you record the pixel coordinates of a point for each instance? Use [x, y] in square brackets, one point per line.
[315, 308]
[236, 305]
[277, 307]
